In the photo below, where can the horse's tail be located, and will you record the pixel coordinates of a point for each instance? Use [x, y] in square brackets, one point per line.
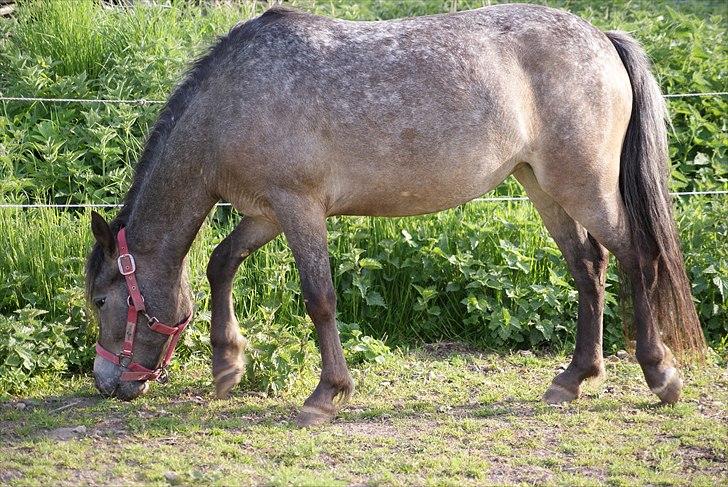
[643, 182]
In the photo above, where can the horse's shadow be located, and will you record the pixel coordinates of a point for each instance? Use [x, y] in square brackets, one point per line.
[188, 406]
[81, 412]
[77, 415]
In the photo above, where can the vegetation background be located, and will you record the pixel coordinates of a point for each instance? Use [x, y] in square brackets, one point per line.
[485, 273]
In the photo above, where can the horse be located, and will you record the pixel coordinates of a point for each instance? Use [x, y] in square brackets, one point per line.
[293, 117]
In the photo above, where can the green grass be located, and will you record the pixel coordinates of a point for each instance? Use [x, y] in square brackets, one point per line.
[82, 153]
[485, 273]
[444, 415]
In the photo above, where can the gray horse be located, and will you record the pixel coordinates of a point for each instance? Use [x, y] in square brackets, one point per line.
[294, 117]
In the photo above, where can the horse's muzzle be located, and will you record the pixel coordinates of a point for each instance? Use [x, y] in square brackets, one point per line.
[107, 377]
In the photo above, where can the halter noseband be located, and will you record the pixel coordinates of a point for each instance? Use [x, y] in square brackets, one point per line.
[134, 370]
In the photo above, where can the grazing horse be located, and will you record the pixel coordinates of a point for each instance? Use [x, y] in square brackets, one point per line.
[293, 117]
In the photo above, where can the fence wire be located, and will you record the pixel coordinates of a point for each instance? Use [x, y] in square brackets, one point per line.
[492, 199]
[103, 101]
[144, 101]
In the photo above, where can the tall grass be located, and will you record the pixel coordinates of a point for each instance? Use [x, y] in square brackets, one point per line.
[486, 273]
[79, 153]
[69, 34]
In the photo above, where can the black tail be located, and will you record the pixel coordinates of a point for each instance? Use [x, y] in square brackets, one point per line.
[643, 182]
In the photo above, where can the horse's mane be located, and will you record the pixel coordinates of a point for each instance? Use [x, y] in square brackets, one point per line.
[173, 110]
[176, 105]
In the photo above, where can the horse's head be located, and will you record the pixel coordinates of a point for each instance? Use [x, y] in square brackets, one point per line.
[129, 289]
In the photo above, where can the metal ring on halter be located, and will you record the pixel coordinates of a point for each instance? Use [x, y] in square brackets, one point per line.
[151, 320]
[163, 376]
[127, 358]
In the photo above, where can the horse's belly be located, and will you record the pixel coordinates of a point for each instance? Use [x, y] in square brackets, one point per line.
[382, 191]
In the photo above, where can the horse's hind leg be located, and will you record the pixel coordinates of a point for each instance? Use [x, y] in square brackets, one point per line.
[599, 208]
[587, 261]
[228, 345]
[304, 225]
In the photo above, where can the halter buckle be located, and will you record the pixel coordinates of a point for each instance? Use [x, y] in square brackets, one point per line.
[151, 320]
[128, 267]
[124, 359]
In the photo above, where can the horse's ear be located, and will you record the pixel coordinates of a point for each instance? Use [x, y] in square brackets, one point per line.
[102, 233]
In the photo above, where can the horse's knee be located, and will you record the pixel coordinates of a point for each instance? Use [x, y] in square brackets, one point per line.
[588, 283]
[216, 264]
[223, 264]
[320, 303]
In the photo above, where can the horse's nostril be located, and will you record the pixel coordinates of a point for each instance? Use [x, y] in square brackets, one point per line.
[106, 376]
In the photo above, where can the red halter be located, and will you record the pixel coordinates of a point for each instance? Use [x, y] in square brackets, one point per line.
[134, 370]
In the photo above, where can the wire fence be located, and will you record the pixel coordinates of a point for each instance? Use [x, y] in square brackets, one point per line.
[491, 199]
[692, 95]
[103, 101]
[144, 101]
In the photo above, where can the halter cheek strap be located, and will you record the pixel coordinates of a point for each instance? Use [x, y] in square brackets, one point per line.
[134, 370]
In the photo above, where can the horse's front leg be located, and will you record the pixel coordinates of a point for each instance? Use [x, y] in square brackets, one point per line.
[304, 224]
[228, 345]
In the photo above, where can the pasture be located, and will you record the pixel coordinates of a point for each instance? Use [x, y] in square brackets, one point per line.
[444, 414]
[453, 323]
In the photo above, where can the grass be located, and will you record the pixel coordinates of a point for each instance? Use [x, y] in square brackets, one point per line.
[443, 415]
[485, 273]
[85, 153]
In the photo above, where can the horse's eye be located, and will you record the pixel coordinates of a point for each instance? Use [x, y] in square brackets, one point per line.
[99, 302]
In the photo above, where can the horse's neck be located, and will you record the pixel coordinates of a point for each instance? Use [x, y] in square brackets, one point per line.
[167, 213]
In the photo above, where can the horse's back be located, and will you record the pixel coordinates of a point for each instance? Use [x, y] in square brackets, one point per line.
[406, 116]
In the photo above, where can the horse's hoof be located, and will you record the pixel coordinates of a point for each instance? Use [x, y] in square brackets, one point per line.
[669, 390]
[313, 416]
[226, 379]
[557, 394]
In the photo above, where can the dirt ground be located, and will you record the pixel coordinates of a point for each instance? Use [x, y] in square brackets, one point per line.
[444, 415]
